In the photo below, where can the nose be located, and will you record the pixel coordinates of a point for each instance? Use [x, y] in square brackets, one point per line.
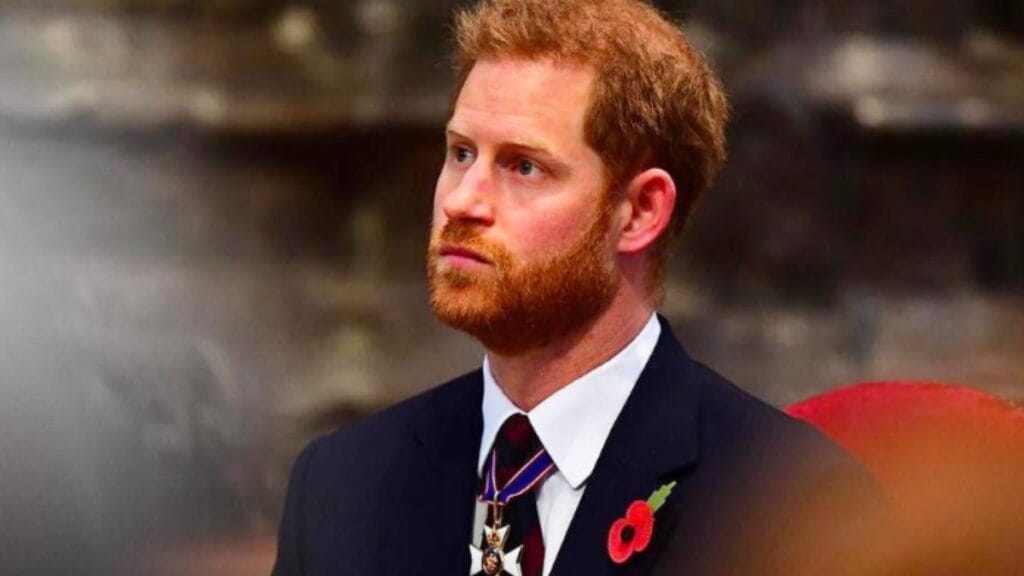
[469, 196]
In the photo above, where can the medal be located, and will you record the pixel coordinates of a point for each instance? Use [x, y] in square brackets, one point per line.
[491, 558]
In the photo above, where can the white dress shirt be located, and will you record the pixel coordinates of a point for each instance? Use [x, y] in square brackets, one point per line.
[573, 425]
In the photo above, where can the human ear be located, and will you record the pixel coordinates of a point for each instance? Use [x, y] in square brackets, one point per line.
[646, 210]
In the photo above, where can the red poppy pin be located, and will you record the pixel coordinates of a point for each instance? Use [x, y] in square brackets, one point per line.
[632, 533]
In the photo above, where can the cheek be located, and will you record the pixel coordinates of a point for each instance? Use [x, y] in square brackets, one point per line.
[549, 231]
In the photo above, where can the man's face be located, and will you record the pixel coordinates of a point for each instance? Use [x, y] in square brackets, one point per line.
[520, 252]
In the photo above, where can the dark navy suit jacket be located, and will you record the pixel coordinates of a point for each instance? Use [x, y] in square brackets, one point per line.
[394, 494]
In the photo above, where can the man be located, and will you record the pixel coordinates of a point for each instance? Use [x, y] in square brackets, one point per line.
[582, 132]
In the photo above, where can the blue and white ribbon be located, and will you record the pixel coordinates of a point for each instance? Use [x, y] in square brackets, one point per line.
[535, 470]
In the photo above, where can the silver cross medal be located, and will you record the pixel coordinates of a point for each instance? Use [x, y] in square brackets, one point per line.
[492, 559]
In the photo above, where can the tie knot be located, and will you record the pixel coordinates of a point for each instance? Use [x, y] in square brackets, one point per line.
[518, 434]
[515, 445]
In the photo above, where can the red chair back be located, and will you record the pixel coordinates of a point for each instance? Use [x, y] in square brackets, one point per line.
[951, 459]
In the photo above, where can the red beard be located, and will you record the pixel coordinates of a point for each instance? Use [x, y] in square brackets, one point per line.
[515, 305]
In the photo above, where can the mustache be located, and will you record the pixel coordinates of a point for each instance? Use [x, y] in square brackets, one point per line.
[460, 233]
[468, 236]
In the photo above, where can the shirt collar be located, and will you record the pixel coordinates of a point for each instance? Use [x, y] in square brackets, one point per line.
[574, 422]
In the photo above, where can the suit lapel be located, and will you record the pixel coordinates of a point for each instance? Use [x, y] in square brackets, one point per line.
[433, 514]
[652, 443]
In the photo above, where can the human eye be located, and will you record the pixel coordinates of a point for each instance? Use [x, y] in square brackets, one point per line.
[526, 167]
[460, 154]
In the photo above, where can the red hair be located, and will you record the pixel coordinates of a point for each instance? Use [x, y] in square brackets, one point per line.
[655, 101]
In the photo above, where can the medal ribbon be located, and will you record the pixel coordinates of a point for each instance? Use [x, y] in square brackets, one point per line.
[535, 469]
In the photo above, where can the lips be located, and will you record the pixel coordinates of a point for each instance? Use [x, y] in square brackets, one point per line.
[453, 251]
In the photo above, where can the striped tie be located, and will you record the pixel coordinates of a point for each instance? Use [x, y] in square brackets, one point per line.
[515, 445]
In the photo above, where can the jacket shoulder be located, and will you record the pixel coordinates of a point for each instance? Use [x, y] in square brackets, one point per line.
[776, 493]
[734, 417]
[394, 427]
[342, 479]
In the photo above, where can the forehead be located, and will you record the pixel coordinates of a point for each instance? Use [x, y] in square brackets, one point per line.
[511, 98]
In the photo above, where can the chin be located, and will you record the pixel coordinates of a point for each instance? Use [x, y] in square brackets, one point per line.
[462, 305]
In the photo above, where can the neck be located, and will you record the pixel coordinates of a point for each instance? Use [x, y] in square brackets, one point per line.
[530, 377]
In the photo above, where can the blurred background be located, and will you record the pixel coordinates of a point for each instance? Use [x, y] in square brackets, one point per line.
[213, 215]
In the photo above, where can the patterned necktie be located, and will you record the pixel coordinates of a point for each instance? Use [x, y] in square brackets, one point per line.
[515, 445]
